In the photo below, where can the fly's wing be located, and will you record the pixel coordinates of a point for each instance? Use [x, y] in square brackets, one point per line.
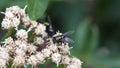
[66, 39]
[68, 33]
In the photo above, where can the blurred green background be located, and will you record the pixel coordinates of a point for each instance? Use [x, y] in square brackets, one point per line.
[96, 24]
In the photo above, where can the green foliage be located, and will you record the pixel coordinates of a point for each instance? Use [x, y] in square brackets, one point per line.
[36, 8]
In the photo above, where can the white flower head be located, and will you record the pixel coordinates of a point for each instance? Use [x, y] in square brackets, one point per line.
[12, 17]
[26, 21]
[44, 34]
[15, 22]
[2, 63]
[72, 66]
[9, 40]
[31, 48]
[6, 23]
[18, 42]
[75, 61]
[64, 48]
[53, 48]
[22, 34]
[34, 24]
[56, 57]
[21, 44]
[19, 60]
[40, 57]
[65, 59]
[46, 52]
[9, 14]
[4, 53]
[16, 11]
[38, 40]
[4, 57]
[40, 29]
[13, 9]
[32, 60]
[19, 51]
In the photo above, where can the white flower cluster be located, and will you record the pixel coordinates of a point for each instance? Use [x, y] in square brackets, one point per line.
[21, 52]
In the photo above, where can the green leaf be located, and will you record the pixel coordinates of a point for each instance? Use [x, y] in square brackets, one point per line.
[7, 34]
[36, 8]
[81, 34]
[93, 40]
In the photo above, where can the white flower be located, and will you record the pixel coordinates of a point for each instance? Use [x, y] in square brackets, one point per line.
[72, 66]
[13, 9]
[22, 34]
[46, 52]
[4, 54]
[19, 51]
[18, 42]
[40, 57]
[38, 40]
[65, 59]
[19, 60]
[16, 10]
[31, 48]
[56, 57]
[75, 61]
[12, 17]
[33, 24]
[9, 48]
[26, 20]
[6, 23]
[21, 44]
[64, 48]
[2, 63]
[40, 29]
[53, 47]
[9, 14]
[44, 34]
[4, 57]
[9, 40]
[15, 22]
[32, 60]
